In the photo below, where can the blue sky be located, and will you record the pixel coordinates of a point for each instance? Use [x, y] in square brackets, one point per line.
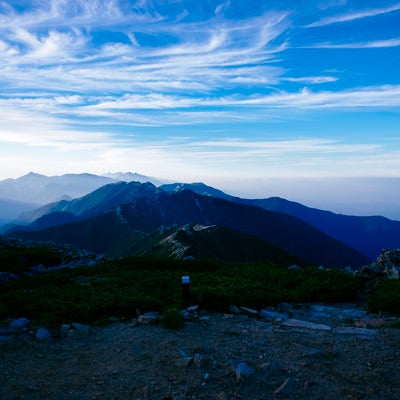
[200, 90]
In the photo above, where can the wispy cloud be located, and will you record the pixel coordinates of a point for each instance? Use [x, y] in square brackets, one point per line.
[63, 48]
[375, 44]
[354, 15]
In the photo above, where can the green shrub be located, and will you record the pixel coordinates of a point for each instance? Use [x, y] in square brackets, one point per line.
[117, 288]
[385, 297]
[172, 319]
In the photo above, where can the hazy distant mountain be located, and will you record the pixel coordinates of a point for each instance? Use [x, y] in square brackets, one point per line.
[197, 187]
[368, 235]
[134, 177]
[43, 189]
[152, 208]
[10, 209]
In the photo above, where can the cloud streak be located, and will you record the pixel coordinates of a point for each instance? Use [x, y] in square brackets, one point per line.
[348, 17]
[375, 44]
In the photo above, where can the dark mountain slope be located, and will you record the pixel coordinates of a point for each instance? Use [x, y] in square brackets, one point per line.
[146, 214]
[213, 242]
[368, 235]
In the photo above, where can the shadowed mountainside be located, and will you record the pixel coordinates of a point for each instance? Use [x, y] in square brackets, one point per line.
[152, 208]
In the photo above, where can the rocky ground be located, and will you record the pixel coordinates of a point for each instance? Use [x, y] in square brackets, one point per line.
[298, 352]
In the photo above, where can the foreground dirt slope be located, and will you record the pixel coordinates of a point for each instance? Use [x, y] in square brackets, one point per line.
[130, 361]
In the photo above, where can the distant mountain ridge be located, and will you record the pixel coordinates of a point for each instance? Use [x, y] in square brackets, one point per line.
[43, 189]
[32, 190]
[151, 207]
[11, 209]
[368, 235]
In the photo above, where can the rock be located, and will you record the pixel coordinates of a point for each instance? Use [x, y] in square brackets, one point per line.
[65, 330]
[370, 322]
[42, 334]
[205, 318]
[183, 362]
[243, 372]
[19, 323]
[189, 315]
[149, 318]
[249, 311]
[7, 276]
[272, 315]
[82, 329]
[192, 309]
[185, 359]
[349, 330]
[296, 323]
[233, 309]
[386, 266]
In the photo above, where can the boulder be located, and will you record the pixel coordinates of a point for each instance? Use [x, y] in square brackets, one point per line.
[386, 266]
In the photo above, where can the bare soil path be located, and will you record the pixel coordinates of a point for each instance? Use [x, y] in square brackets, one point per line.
[130, 361]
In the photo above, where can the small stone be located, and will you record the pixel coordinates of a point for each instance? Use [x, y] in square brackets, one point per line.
[233, 309]
[183, 362]
[64, 330]
[243, 372]
[149, 318]
[82, 329]
[249, 311]
[43, 334]
[272, 315]
[296, 323]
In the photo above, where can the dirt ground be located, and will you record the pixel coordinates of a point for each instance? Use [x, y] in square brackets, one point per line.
[130, 361]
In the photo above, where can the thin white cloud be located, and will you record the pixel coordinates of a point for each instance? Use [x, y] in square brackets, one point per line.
[375, 44]
[314, 80]
[354, 16]
[368, 97]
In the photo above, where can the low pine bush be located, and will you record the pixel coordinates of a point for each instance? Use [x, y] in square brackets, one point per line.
[172, 319]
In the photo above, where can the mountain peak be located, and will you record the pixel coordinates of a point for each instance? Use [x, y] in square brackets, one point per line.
[31, 175]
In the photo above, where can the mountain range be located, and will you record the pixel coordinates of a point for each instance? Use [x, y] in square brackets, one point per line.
[303, 232]
[116, 216]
